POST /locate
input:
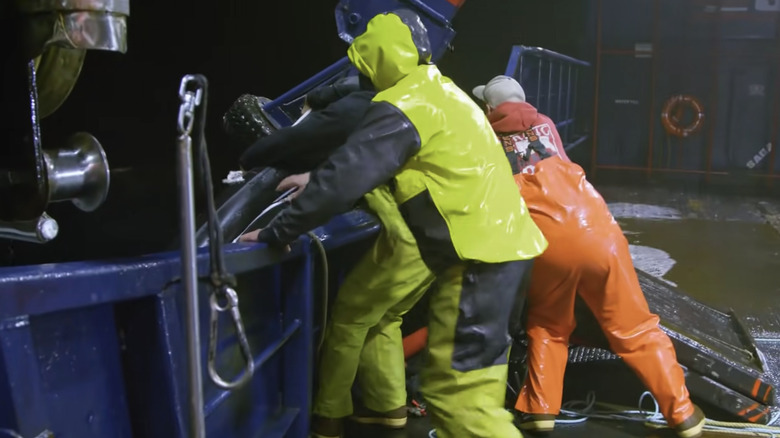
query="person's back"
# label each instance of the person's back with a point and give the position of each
(587, 256)
(516, 121)
(459, 165)
(563, 203)
(428, 153)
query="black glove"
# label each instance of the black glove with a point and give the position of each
(267, 235)
(321, 97)
(244, 122)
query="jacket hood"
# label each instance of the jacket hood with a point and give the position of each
(392, 46)
(511, 117)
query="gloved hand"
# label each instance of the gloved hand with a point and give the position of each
(264, 235)
(321, 97)
(298, 181)
(244, 122)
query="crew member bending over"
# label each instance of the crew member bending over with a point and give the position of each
(587, 255)
(451, 186)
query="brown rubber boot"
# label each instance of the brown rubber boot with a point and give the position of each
(322, 427)
(395, 419)
(692, 427)
(536, 423)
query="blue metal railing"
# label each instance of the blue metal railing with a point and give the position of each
(286, 108)
(551, 82)
(97, 349)
(351, 19)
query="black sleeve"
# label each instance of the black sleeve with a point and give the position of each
(305, 146)
(385, 140)
(321, 97)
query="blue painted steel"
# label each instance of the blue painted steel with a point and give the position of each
(726, 60)
(353, 15)
(283, 110)
(551, 81)
(61, 369)
(351, 19)
(97, 349)
(539, 52)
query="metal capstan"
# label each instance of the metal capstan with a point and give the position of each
(51, 40)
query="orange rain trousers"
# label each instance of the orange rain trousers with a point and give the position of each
(588, 255)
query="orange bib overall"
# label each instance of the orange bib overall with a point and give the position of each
(588, 255)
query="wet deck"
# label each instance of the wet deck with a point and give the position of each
(722, 250)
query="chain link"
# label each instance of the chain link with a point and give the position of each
(190, 99)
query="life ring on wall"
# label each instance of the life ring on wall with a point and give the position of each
(672, 114)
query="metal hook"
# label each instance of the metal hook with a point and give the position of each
(216, 309)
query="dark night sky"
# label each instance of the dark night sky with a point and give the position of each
(129, 102)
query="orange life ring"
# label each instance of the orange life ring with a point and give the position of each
(673, 112)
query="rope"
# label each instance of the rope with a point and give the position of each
(219, 275)
(583, 410)
(587, 409)
(325, 283)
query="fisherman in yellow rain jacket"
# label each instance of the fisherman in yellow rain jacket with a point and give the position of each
(427, 160)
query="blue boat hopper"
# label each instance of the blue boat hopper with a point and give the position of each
(98, 348)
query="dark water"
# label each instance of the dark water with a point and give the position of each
(725, 264)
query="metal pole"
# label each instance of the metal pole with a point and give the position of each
(597, 86)
(569, 107)
(189, 275)
(549, 86)
(539, 85)
(559, 112)
(520, 77)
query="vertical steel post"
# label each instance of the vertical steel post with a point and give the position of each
(594, 149)
(189, 269)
